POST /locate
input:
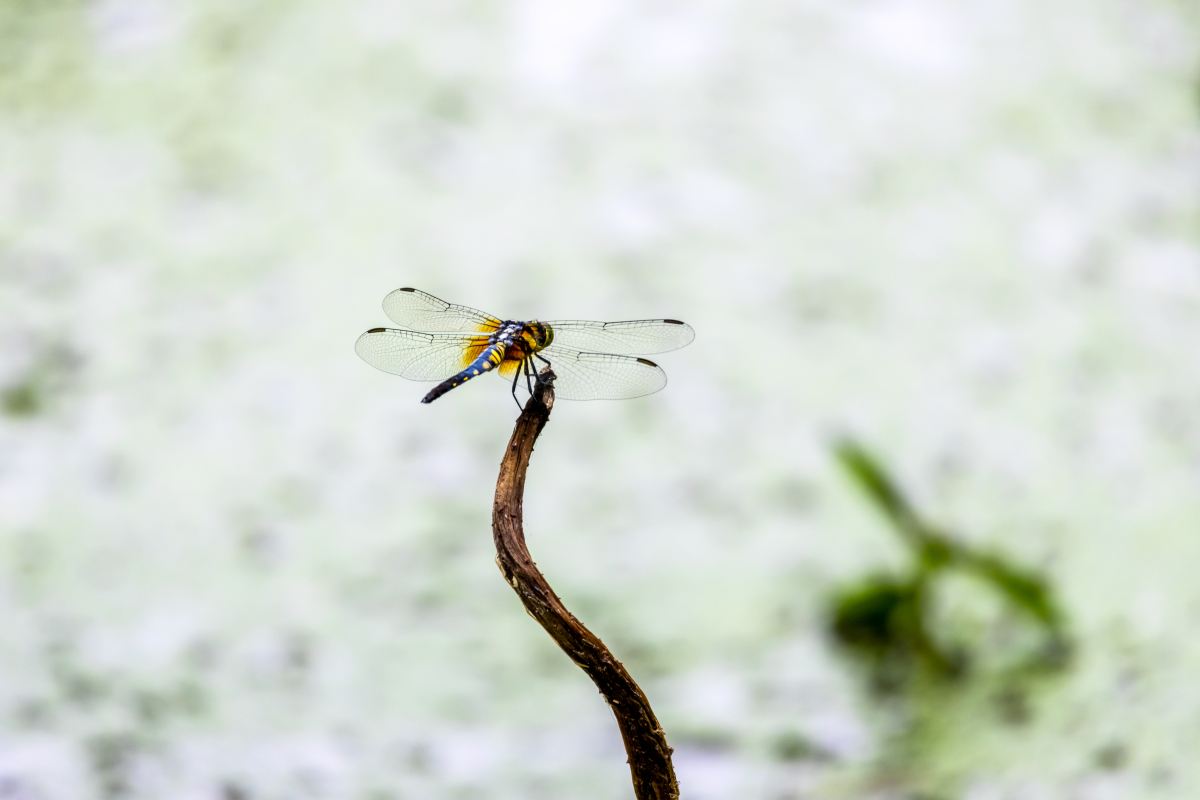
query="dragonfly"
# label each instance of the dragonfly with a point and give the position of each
(451, 344)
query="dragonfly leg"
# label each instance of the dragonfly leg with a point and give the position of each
(527, 366)
(516, 375)
(544, 361)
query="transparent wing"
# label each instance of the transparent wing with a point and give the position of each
(419, 356)
(419, 311)
(635, 337)
(601, 376)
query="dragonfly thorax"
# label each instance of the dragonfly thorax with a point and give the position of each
(522, 338)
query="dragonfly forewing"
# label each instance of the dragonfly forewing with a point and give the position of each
(421, 311)
(634, 337)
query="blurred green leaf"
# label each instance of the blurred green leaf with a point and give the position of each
(884, 619)
(1023, 588)
(873, 480)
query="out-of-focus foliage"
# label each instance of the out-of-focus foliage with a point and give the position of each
(887, 620)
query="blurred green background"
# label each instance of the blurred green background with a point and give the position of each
(237, 563)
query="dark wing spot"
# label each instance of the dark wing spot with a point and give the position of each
(647, 361)
(377, 330)
(407, 289)
(674, 321)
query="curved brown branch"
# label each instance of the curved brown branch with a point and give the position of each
(645, 743)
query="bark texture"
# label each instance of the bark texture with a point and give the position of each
(645, 743)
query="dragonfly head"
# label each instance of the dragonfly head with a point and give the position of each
(541, 334)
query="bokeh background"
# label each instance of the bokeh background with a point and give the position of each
(236, 562)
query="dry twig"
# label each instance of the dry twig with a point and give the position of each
(645, 743)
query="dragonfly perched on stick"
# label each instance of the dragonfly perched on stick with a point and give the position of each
(452, 344)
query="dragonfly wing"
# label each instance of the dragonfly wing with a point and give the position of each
(420, 311)
(635, 337)
(602, 376)
(419, 356)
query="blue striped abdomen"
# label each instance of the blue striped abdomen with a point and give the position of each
(488, 360)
